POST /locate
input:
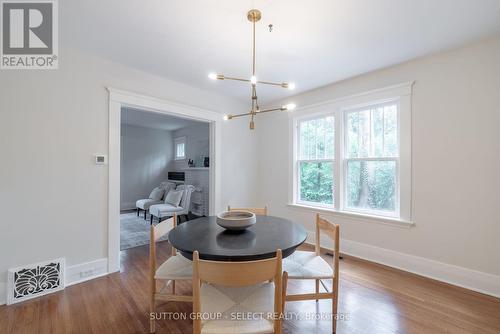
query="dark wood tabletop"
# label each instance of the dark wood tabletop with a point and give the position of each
(260, 241)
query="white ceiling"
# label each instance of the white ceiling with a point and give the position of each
(314, 42)
(154, 120)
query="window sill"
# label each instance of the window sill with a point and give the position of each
(355, 216)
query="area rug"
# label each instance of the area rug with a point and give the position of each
(134, 231)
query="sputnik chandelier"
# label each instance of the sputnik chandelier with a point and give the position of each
(254, 16)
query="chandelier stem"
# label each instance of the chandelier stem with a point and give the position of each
(253, 67)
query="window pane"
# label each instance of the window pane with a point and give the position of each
(180, 150)
(378, 132)
(358, 133)
(316, 182)
(371, 185)
(317, 139)
(391, 131)
(372, 132)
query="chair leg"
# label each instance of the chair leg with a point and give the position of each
(138, 211)
(283, 295)
(334, 313)
(317, 287)
(151, 219)
(152, 311)
(145, 211)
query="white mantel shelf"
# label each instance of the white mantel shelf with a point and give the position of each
(196, 168)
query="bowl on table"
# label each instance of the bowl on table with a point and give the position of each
(236, 220)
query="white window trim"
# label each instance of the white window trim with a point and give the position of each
(177, 141)
(401, 93)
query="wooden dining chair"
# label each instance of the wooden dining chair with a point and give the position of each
(176, 267)
(227, 288)
(310, 265)
(257, 211)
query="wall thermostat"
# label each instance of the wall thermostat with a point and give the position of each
(101, 159)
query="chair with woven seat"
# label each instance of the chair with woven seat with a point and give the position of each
(176, 267)
(257, 211)
(311, 266)
(227, 288)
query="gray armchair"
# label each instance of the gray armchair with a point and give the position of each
(145, 204)
(167, 210)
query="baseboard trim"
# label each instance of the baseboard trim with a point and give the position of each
(127, 206)
(470, 279)
(3, 293)
(86, 271)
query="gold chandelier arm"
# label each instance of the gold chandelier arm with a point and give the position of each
(272, 109)
(236, 79)
(240, 115)
(258, 112)
(270, 83)
(283, 84)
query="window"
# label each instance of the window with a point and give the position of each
(316, 160)
(180, 148)
(354, 156)
(371, 159)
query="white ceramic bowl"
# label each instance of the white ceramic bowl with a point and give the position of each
(236, 220)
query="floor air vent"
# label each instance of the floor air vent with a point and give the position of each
(35, 280)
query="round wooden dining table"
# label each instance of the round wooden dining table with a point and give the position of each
(260, 241)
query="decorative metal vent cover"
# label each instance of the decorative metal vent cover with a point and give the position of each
(35, 280)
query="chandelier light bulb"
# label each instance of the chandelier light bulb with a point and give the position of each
(226, 117)
(253, 79)
(290, 106)
(291, 86)
(212, 76)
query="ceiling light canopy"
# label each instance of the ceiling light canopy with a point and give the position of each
(254, 16)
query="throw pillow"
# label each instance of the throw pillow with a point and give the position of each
(156, 194)
(174, 197)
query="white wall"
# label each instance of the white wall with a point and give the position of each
(197, 143)
(53, 198)
(456, 161)
(146, 158)
(239, 150)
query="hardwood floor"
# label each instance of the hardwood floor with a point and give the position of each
(374, 298)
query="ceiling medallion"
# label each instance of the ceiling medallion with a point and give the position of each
(254, 16)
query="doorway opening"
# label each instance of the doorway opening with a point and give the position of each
(164, 164)
(158, 145)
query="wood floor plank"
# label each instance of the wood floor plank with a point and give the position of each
(374, 298)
